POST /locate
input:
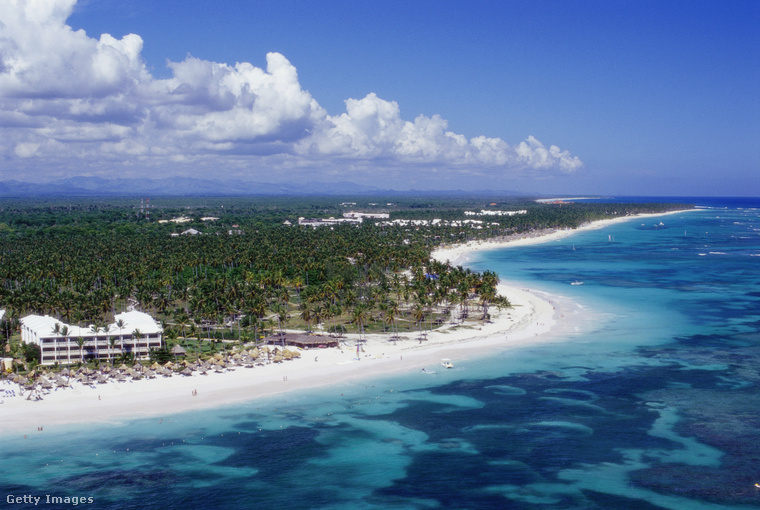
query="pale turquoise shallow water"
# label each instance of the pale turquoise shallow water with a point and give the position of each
(653, 407)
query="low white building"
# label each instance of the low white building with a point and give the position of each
(379, 216)
(331, 221)
(59, 342)
(484, 212)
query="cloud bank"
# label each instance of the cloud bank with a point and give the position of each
(72, 104)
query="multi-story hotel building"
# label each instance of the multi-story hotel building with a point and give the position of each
(131, 332)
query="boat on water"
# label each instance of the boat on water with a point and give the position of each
(446, 363)
(576, 282)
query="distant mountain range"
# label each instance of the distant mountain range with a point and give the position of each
(186, 186)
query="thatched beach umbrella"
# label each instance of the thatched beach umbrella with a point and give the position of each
(178, 350)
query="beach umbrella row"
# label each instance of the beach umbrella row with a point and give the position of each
(218, 363)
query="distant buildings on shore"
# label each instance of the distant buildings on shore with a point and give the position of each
(348, 217)
(484, 212)
(358, 217)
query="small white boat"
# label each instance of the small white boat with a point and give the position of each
(446, 363)
(576, 282)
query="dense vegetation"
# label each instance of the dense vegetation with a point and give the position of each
(85, 260)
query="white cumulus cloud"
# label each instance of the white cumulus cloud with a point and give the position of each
(82, 100)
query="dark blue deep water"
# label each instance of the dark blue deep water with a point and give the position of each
(653, 404)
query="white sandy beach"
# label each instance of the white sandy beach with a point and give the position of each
(460, 254)
(535, 317)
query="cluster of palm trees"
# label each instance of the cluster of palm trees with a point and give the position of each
(348, 277)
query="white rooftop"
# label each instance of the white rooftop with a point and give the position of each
(44, 325)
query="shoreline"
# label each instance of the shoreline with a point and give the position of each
(460, 254)
(535, 317)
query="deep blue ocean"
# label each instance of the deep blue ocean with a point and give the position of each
(653, 404)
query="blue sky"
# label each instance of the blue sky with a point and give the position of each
(539, 96)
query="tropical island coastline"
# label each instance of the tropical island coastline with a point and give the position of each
(533, 317)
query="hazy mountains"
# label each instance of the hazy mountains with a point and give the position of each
(185, 186)
(178, 186)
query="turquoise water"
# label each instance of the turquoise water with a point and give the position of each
(652, 405)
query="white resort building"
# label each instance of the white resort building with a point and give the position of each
(59, 342)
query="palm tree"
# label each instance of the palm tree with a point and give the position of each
(360, 316)
(182, 321)
(56, 332)
(307, 315)
(80, 342)
(390, 315)
(136, 337)
(281, 312)
(64, 331)
(419, 315)
(487, 296)
(121, 325)
(112, 341)
(95, 329)
(171, 335)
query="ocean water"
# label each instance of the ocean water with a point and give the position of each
(653, 404)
